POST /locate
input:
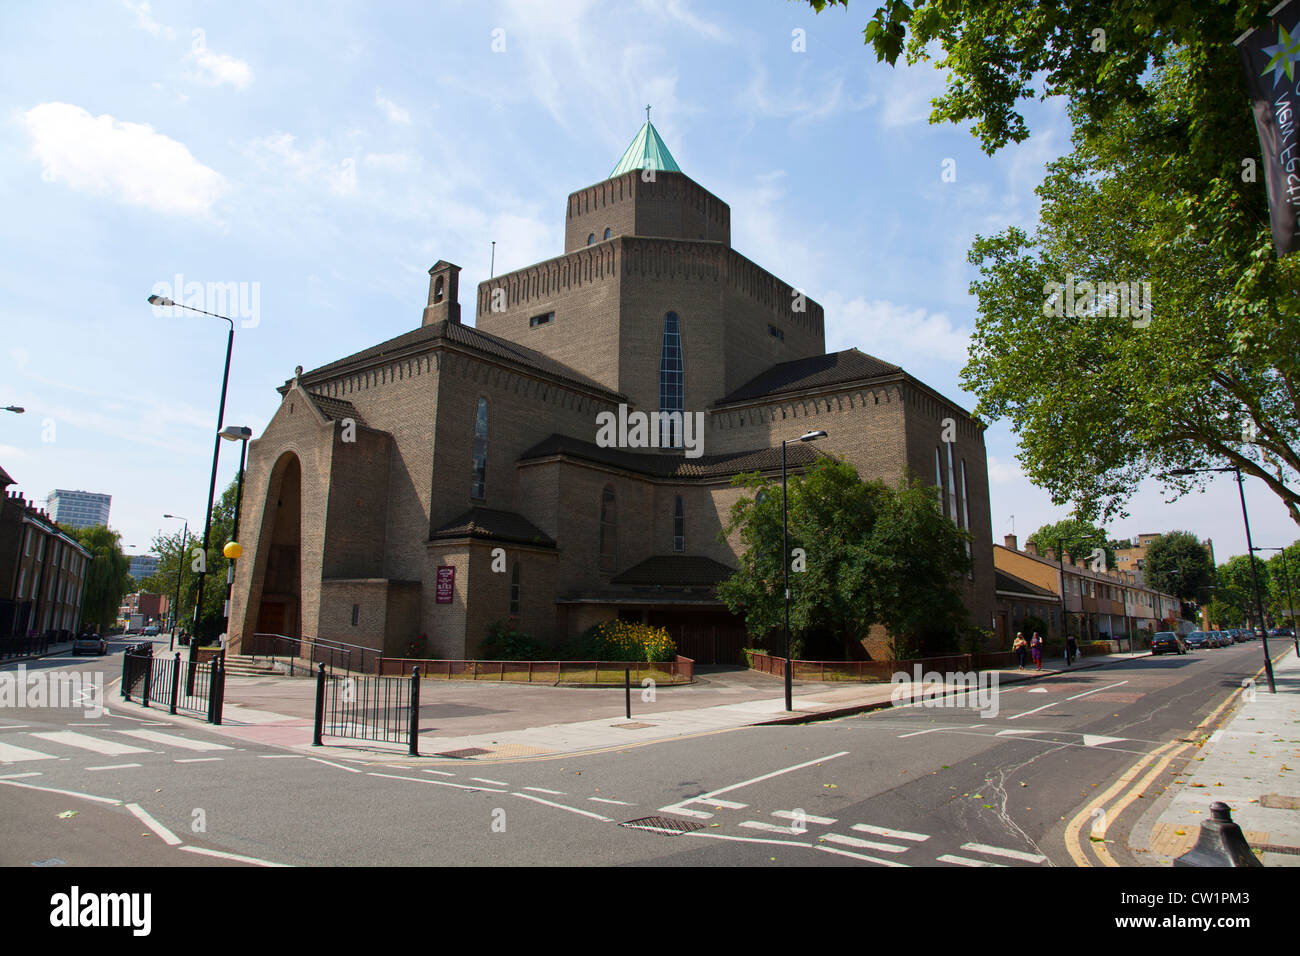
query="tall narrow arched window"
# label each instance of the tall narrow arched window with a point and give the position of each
(952, 490)
(679, 525)
(965, 509)
(607, 232)
(478, 482)
(608, 531)
(514, 589)
(591, 238)
(938, 476)
(671, 384)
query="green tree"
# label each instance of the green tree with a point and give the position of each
(1076, 537)
(867, 554)
(1178, 564)
(108, 578)
(1278, 600)
(1153, 191)
(1234, 595)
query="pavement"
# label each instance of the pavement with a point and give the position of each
(487, 720)
(1251, 763)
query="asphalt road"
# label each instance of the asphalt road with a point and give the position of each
(913, 786)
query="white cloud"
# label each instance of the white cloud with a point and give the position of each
(309, 166)
(1004, 472)
(896, 333)
(144, 20)
(391, 162)
(676, 10)
(394, 112)
(218, 68)
(129, 162)
(907, 93)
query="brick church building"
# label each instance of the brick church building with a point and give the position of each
(455, 475)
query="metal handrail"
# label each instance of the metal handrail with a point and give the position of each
(334, 654)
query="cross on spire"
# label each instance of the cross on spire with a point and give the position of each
(647, 113)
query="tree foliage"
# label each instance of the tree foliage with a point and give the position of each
(1178, 564)
(108, 577)
(1074, 536)
(1153, 191)
(870, 554)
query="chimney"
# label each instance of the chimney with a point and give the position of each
(1031, 548)
(444, 294)
(1010, 542)
(1065, 558)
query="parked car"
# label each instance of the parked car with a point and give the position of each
(87, 643)
(150, 631)
(1163, 641)
(1197, 640)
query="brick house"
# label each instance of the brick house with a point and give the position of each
(42, 570)
(472, 456)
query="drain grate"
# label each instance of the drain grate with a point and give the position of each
(635, 725)
(1273, 848)
(665, 825)
(467, 752)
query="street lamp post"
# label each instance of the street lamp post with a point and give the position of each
(785, 564)
(1286, 580)
(160, 301)
(180, 568)
(241, 434)
(1250, 551)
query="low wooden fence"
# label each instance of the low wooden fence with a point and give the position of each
(883, 671)
(679, 671)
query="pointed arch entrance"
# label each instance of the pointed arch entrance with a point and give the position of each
(278, 574)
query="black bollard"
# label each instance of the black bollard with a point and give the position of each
(415, 712)
(1221, 842)
(320, 707)
(627, 689)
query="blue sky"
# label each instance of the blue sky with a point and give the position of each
(330, 153)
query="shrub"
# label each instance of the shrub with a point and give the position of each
(417, 648)
(626, 641)
(506, 642)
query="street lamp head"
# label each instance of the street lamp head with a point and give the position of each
(16, 409)
(812, 436)
(159, 300)
(236, 433)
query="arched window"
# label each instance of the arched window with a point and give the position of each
(952, 491)
(938, 476)
(437, 289)
(514, 589)
(671, 384)
(591, 238)
(679, 525)
(608, 531)
(965, 507)
(478, 482)
(607, 233)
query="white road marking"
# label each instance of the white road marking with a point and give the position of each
(621, 803)
(66, 793)
(436, 783)
(171, 740)
(230, 856)
(15, 776)
(865, 844)
(806, 817)
(441, 773)
(554, 793)
(707, 798)
(773, 827)
(740, 839)
(115, 766)
(1019, 731)
(11, 754)
(1095, 690)
(280, 756)
(560, 806)
(71, 738)
(963, 861)
(860, 856)
(197, 759)
(338, 765)
(495, 783)
(171, 839)
(933, 730)
(886, 832)
(1096, 740)
(1036, 690)
(999, 851)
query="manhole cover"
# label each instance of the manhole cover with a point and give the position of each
(52, 861)
(467, 752)
(632, 726)
(1273, 848)
(665, 825)
(1279, 801)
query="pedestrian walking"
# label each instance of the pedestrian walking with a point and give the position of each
(1036, 649)
(1071, 649)
(1020, 646)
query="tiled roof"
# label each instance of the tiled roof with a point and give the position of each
(464, 335)
(815, 371)
(1009, 582)
(673, 466)
(646, 151)
(669, 570)
(336, 408)
(497, 525)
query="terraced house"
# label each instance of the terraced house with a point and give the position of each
(454, 475)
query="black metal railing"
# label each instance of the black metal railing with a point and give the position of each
(182, 686)
(368, 708)
(31, 645)
(301, 655)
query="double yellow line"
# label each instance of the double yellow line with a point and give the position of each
(1162, 757)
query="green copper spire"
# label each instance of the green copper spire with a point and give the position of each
(646, 152)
